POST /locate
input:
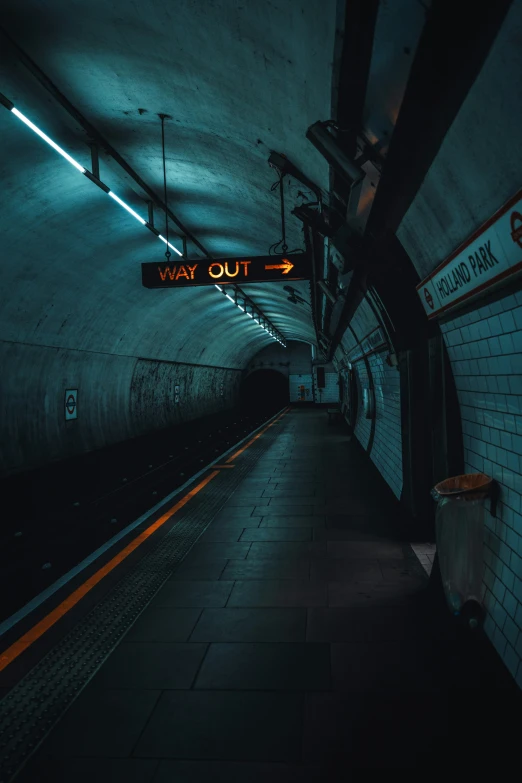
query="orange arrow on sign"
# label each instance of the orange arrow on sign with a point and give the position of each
(286, 266)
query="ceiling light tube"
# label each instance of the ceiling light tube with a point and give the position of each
(126, 206)
(175, 249)
(49, 141)
(241, 308)
(218, 287)
(13, 110)
(229, 297)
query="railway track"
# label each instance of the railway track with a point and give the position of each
(62, 513)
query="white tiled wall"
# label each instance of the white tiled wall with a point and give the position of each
(295, 383)
(330, 393)
(386, 451)
(363, 426)
(485, 349)
(364, 320)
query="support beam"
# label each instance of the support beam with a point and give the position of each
(95, 160)
(359, 31)
(315, 294)
(360, 17)
(450, 54)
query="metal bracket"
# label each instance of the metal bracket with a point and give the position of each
(322, 284)
(95, 160)
(354, 198)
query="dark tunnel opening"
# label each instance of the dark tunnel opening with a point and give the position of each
(265, 391)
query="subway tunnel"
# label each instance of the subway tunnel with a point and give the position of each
(260, 296)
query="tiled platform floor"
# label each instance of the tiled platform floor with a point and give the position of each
(296, 642)
(426, 553)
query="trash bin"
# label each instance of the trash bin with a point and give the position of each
(459, 527)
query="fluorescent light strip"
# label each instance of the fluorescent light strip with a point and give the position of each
(175, 249)
(119, 201)
(82, 170)
(126, 206)
(49, 141)
(250, 315)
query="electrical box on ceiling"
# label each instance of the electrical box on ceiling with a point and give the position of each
(321, 136)
(313, 218)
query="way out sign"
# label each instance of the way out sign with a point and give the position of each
(71, 404)
(252, 269)
(489, 258)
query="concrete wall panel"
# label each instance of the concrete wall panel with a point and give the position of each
(153, 396)
(119, 397)
(295, 358)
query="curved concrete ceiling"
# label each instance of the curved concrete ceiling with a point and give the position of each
(236, 86)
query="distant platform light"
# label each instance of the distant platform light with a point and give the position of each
(256, 318)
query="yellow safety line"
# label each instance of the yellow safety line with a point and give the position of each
(38, 630)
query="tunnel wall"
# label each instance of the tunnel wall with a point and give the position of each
(119, 397)
(372, 371)
(330, 392)
(387, 443)
(477, 169)
(295, 359)
(363, 425)
(294, 362)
